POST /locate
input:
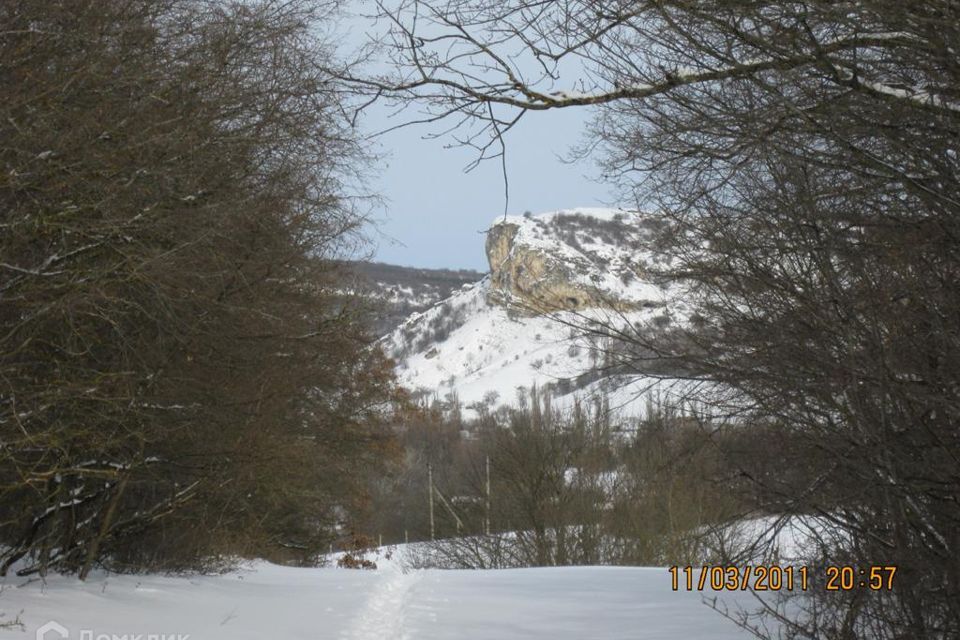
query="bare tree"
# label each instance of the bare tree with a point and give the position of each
(180, 374)
(804, 157)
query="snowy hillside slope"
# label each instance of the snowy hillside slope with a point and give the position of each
(283, 603)
(522, 325)
(402, 291)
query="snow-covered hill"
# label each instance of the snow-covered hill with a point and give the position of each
(551, 277)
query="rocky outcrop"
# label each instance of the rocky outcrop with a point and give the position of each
(539, 277)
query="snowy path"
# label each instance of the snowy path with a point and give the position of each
(384, 616)
(283, 603)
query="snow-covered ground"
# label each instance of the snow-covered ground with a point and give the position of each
(269, 602)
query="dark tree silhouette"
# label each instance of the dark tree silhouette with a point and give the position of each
(180, 376)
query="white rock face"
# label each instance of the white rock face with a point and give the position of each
(550, 275)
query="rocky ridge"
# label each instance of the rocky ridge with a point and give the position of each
(572, 260)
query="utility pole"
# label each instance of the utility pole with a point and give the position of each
(486, 522)
(430, 482)
(446, 505)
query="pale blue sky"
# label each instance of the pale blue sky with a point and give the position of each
(435, 213)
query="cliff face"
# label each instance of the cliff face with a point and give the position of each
(530, 276)
(568, 260)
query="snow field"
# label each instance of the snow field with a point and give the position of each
(266, 601)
